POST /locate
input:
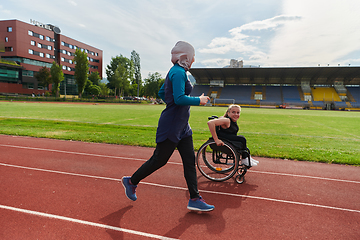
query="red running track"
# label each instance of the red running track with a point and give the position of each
(53, 189)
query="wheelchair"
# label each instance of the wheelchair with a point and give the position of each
(220, 163)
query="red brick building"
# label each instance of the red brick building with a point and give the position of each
(34, 46)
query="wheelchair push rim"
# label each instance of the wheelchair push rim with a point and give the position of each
(217, 164)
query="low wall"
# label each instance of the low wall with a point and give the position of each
(18, 88)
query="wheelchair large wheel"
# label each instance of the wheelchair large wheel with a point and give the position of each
(217, 163)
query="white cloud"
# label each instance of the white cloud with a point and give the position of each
(241, 42)
(266, 24)
(215, 62)
(72, 3)
(4, 11)
(328, 31)
(306, 33)
(260, 32)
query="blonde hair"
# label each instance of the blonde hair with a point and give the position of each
(229, 109)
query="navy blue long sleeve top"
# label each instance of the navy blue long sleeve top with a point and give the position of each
(174, 120)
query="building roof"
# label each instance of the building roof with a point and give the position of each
(8, 65)
(278, 75)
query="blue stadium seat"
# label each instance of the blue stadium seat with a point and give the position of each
(355, 92)
(241, 94)
(273, 95)
(200, 89)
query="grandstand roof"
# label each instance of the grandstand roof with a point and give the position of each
(278, 75)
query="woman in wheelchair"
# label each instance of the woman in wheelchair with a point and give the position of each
(226, 128)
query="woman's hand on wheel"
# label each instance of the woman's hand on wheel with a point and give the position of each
(219, 142)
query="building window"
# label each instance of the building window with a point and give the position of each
(32, 43)
(47, 55)
(41, 37)
(9, 29)
(9, 49)
(30, 33)
(41, 54)
(33, 62)
(62, 59)
(31, 51)
(64, 67)
(27, 73)
(48, 39)
(49, 47)
(30, 85)
(39, 45)
(6, 39)
(93, 67)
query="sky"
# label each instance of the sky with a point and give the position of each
(265, 33)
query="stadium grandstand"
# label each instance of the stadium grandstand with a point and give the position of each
(283, 87)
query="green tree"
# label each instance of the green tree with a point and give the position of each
(81, 70)
(43, 77)
(111, 69)
(88, 84)
(94, 77)
(91, 89)
(133, 89)
(57, 76)
(121, 81)
(153, 84)
(135, 58)
(104, 90)
(94, 90)
(120, 74)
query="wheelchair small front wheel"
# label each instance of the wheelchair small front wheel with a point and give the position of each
(217, 163)
(240, 179)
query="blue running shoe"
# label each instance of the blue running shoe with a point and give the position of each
(130, 189)
(198, 204)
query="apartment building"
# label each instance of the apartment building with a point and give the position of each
(34, 45)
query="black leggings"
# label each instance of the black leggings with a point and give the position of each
(160, 157)
(238, 141)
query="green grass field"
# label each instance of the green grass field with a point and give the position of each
(324, 136)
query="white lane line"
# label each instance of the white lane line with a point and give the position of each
(185, 189)
(59, 172)
(68, 152)
(143, 160)
(304, 176)
(99, 225)
(260, 198)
